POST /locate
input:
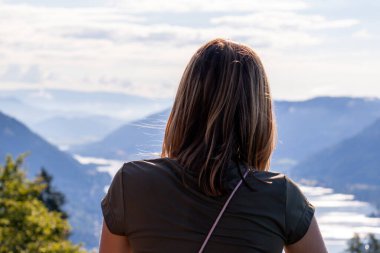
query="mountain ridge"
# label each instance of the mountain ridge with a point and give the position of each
(352, 165)
(81, 184)
(299, 124)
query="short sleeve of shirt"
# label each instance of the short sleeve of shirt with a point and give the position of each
(299, 212)
(113, 205)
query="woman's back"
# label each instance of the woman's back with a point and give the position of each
(222, 115)
(148, 203)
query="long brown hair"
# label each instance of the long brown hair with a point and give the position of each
(222, 112)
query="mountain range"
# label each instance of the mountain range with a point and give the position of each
(308, 133)
(82, 185)
(304, 127)
(66, 131)
(136, 140)
(350, 166)
(68, 117)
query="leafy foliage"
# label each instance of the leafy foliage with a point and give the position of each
(369, 245)
(53, 199)
(26, 224)
(373, 244)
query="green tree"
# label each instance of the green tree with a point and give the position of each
(26, 224)
(373, 245)
(53, 199)
(370, 244)
(355, 245)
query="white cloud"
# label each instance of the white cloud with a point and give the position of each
(57, 3)
(140, 48)
(276, 20)
(362, 34)
(15, 73)
(144, 6)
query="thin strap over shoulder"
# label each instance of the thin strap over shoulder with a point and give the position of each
(221, 212)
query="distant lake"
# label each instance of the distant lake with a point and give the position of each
(339, 215)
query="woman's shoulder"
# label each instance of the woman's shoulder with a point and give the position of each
(273, 178)
(275, 181)
(142, 165)
(146, 169)
(269, 175)
(287, 183)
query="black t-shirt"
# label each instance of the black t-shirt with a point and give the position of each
(148, 203)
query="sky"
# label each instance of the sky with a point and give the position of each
(308, 48)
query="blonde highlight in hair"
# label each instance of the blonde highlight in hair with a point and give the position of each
(222, 112)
